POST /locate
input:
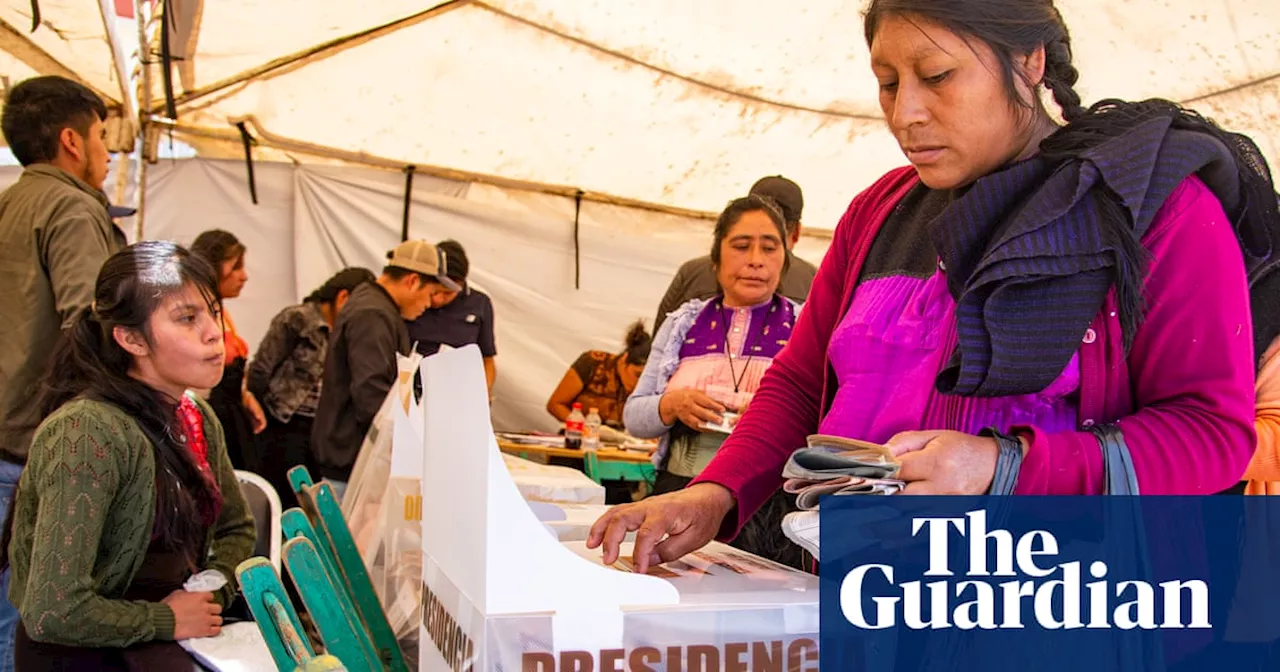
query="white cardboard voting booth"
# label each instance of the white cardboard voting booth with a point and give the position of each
(501, 593)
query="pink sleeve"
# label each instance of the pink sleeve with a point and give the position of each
(786, 407)
(1191, 367)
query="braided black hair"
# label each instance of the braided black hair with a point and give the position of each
(1010, 28)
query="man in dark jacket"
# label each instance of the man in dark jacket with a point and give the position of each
(54, 235)
(360, 368)
(286, 371)
(457, 319)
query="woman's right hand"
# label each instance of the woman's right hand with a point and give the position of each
(692, 407)
(688, 519)
(194, 614)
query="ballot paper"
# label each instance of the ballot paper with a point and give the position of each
(714, 568)
(238, 648)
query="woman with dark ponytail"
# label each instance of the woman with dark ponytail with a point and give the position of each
(603, 380)
(238, 409)
(128, 490)
(1026, 293)
(286, 374)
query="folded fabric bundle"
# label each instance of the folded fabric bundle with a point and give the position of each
(833, 465)
(824, 464)
(808, 491)
(838, 466)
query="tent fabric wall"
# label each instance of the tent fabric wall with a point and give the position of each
(186, 197)
(670, 102)
(520, 246)
(350, 216)
(312, 221)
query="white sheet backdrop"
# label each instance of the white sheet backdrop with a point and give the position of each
(311, 221)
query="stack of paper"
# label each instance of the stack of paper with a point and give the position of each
(238, 648)
(548, 483)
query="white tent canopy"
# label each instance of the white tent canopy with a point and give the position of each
(72, 38)
(668, 101)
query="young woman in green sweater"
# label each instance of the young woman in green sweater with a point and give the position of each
(128, 490)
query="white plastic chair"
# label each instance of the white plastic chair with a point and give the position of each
(264, 502)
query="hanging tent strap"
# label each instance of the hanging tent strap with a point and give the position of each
(166, 61)
(247, 141)
(409, 170)
(577, 249)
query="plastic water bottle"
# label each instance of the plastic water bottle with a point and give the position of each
(573, 428)
(591, 437)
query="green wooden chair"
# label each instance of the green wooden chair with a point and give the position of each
(278, 622)
(339, 547)
(342, 632)
(295, 523)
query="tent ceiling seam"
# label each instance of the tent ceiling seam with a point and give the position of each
(306, 56)
(1233, 89)
(300, 58)
(207, 102)
(671, 73)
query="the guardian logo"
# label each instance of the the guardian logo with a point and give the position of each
(1053, 596)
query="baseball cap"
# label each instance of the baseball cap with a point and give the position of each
(784, 192)
(120, 211)
(422, 257)
(456, 263)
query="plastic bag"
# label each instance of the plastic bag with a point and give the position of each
(362, 503)
(208, 581)
(385, 516)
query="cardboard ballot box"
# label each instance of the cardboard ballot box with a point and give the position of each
(500, 593)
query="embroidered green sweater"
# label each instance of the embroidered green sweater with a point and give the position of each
(83, 517)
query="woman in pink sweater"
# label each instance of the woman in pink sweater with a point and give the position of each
(1023, 293)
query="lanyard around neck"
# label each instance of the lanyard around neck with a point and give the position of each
(728, 350)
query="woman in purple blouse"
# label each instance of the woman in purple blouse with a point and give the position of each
(709, 356)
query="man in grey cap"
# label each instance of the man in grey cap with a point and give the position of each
(457, 319)
(696, 279)
(360, 368)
